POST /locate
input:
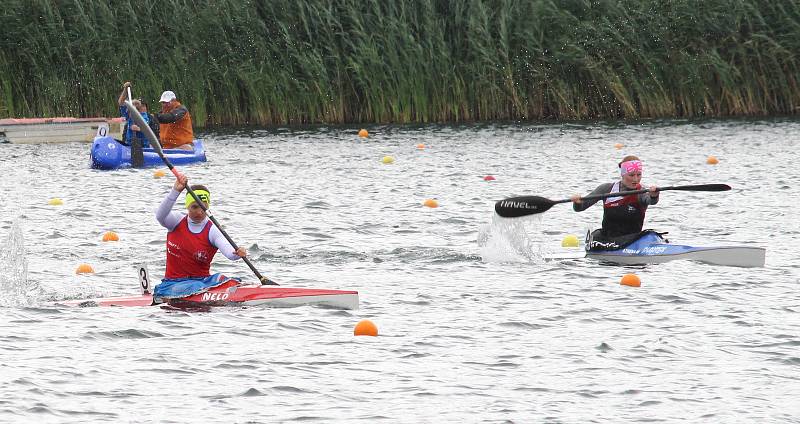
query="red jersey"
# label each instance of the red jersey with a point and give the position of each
(189, 254)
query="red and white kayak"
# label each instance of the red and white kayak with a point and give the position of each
(238, 295)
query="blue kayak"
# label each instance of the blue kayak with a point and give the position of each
(108, 153)
(652, 248)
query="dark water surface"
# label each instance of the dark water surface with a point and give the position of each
(475, 326)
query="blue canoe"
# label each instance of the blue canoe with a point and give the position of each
(651, 248)
(108, 153)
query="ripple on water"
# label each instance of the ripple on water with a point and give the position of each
(522, 325)
(131, 333)
(604, 347)
(475, 325)
(252, 392)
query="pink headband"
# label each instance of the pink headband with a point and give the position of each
(630, 166)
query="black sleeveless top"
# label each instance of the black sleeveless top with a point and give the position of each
(622, 215)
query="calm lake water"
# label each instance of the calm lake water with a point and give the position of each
(474, 325)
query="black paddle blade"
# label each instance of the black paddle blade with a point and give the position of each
(267, 282)
(702, 187)
(514, 207)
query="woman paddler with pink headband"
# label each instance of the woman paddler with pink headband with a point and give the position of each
(623, 217)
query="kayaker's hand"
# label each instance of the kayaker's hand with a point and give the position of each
(653, 191)
(135, 127)
(242, 252)
(126, 85)
(180, 182)
(576, 198)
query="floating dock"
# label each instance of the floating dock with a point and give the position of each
(57, 130)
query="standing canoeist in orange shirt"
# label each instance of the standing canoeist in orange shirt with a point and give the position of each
(176, 123)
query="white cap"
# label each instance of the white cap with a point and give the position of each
(167, 96)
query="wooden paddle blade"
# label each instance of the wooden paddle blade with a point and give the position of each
(137, 155)
(514, 207)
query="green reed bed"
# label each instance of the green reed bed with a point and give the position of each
(312, 61)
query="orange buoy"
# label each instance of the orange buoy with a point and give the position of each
(110, 236)
(630, 280)
(84, 269)
(431, 203)
(489, 178)
(712, 160)
(159, 173)
(420, 146)
(363, 133)
(365, 328)
(618, 146)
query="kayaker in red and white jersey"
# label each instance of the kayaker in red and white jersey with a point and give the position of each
(623, 217)
(192, 240)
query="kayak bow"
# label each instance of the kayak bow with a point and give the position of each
(652, 249)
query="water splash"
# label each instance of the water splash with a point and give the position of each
(14, 287)
(512, 239)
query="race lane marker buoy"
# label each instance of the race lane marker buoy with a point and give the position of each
(363, 133)
(110, 236)
(365, 328)
(630, 280)
(420, 146)
(431, 203)
(570, 240)
(489, 178)
(84, 269)
(159, 173)
(618, 146)
(387, 160)
(712, 160)
(55, 202)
